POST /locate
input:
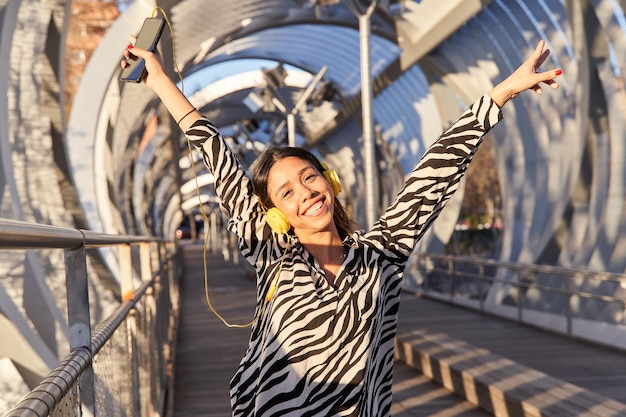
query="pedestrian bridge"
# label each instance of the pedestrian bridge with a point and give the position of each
(95, 185)
(163, 352)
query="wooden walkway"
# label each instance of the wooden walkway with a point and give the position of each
(208, 351)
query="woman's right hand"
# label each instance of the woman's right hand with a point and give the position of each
(176, 102)
(154, 65)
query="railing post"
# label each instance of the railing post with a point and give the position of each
(234, 250)
(481, 289)
(163, 321)
(78, 317)
(520, 296)
(452, 279)
(213, 230)
(151, 351)
(569, 311)
(171, 271)
(225, 246)
(128, 294)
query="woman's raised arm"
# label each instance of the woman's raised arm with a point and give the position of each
(177, 104)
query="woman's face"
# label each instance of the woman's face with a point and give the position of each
(300, 191)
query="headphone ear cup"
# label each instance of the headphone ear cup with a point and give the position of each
(333, 179)
(277, 221)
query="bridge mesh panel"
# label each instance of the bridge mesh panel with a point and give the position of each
(123, 384)
(113, 376)
(69, 406)
(148, 355)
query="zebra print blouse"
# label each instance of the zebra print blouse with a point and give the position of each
(322, 350)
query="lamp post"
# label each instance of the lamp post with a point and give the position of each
(291, 116)
(367, 93)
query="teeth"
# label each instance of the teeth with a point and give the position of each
(314, 209)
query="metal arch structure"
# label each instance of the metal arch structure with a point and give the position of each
(297, 33)
(119, 165)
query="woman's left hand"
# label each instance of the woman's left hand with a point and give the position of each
(526, 77)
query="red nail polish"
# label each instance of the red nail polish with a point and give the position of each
(559, 72)
(131, 46)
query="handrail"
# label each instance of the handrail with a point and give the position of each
(48, 394)
(452, 277)
(16, 234)
(60, 381)
(524, 267)
(70, 387)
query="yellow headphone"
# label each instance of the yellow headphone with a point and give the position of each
(277, 220)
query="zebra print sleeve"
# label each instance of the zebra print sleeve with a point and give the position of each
(433, 181)
(237, 199)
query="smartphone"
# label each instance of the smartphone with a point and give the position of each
(147, 39)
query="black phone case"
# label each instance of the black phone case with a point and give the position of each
(147, 39)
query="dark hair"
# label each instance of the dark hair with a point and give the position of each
(261, 169)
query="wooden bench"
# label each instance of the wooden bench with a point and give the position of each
(496, 384)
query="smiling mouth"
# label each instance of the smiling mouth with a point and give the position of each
(314, 209)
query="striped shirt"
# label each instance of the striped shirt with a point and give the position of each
(322, 350)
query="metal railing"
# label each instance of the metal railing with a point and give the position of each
(122, 367)
(578, 302)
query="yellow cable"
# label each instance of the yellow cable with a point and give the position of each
(204, 252)
(272, 289)
(171, 29)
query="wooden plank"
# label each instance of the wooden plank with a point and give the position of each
(498, 384)
(593, 367)
(416, 395)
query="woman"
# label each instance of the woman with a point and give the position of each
(323, 342)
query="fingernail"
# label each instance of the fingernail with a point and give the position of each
(558, 72)
(131, 46)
